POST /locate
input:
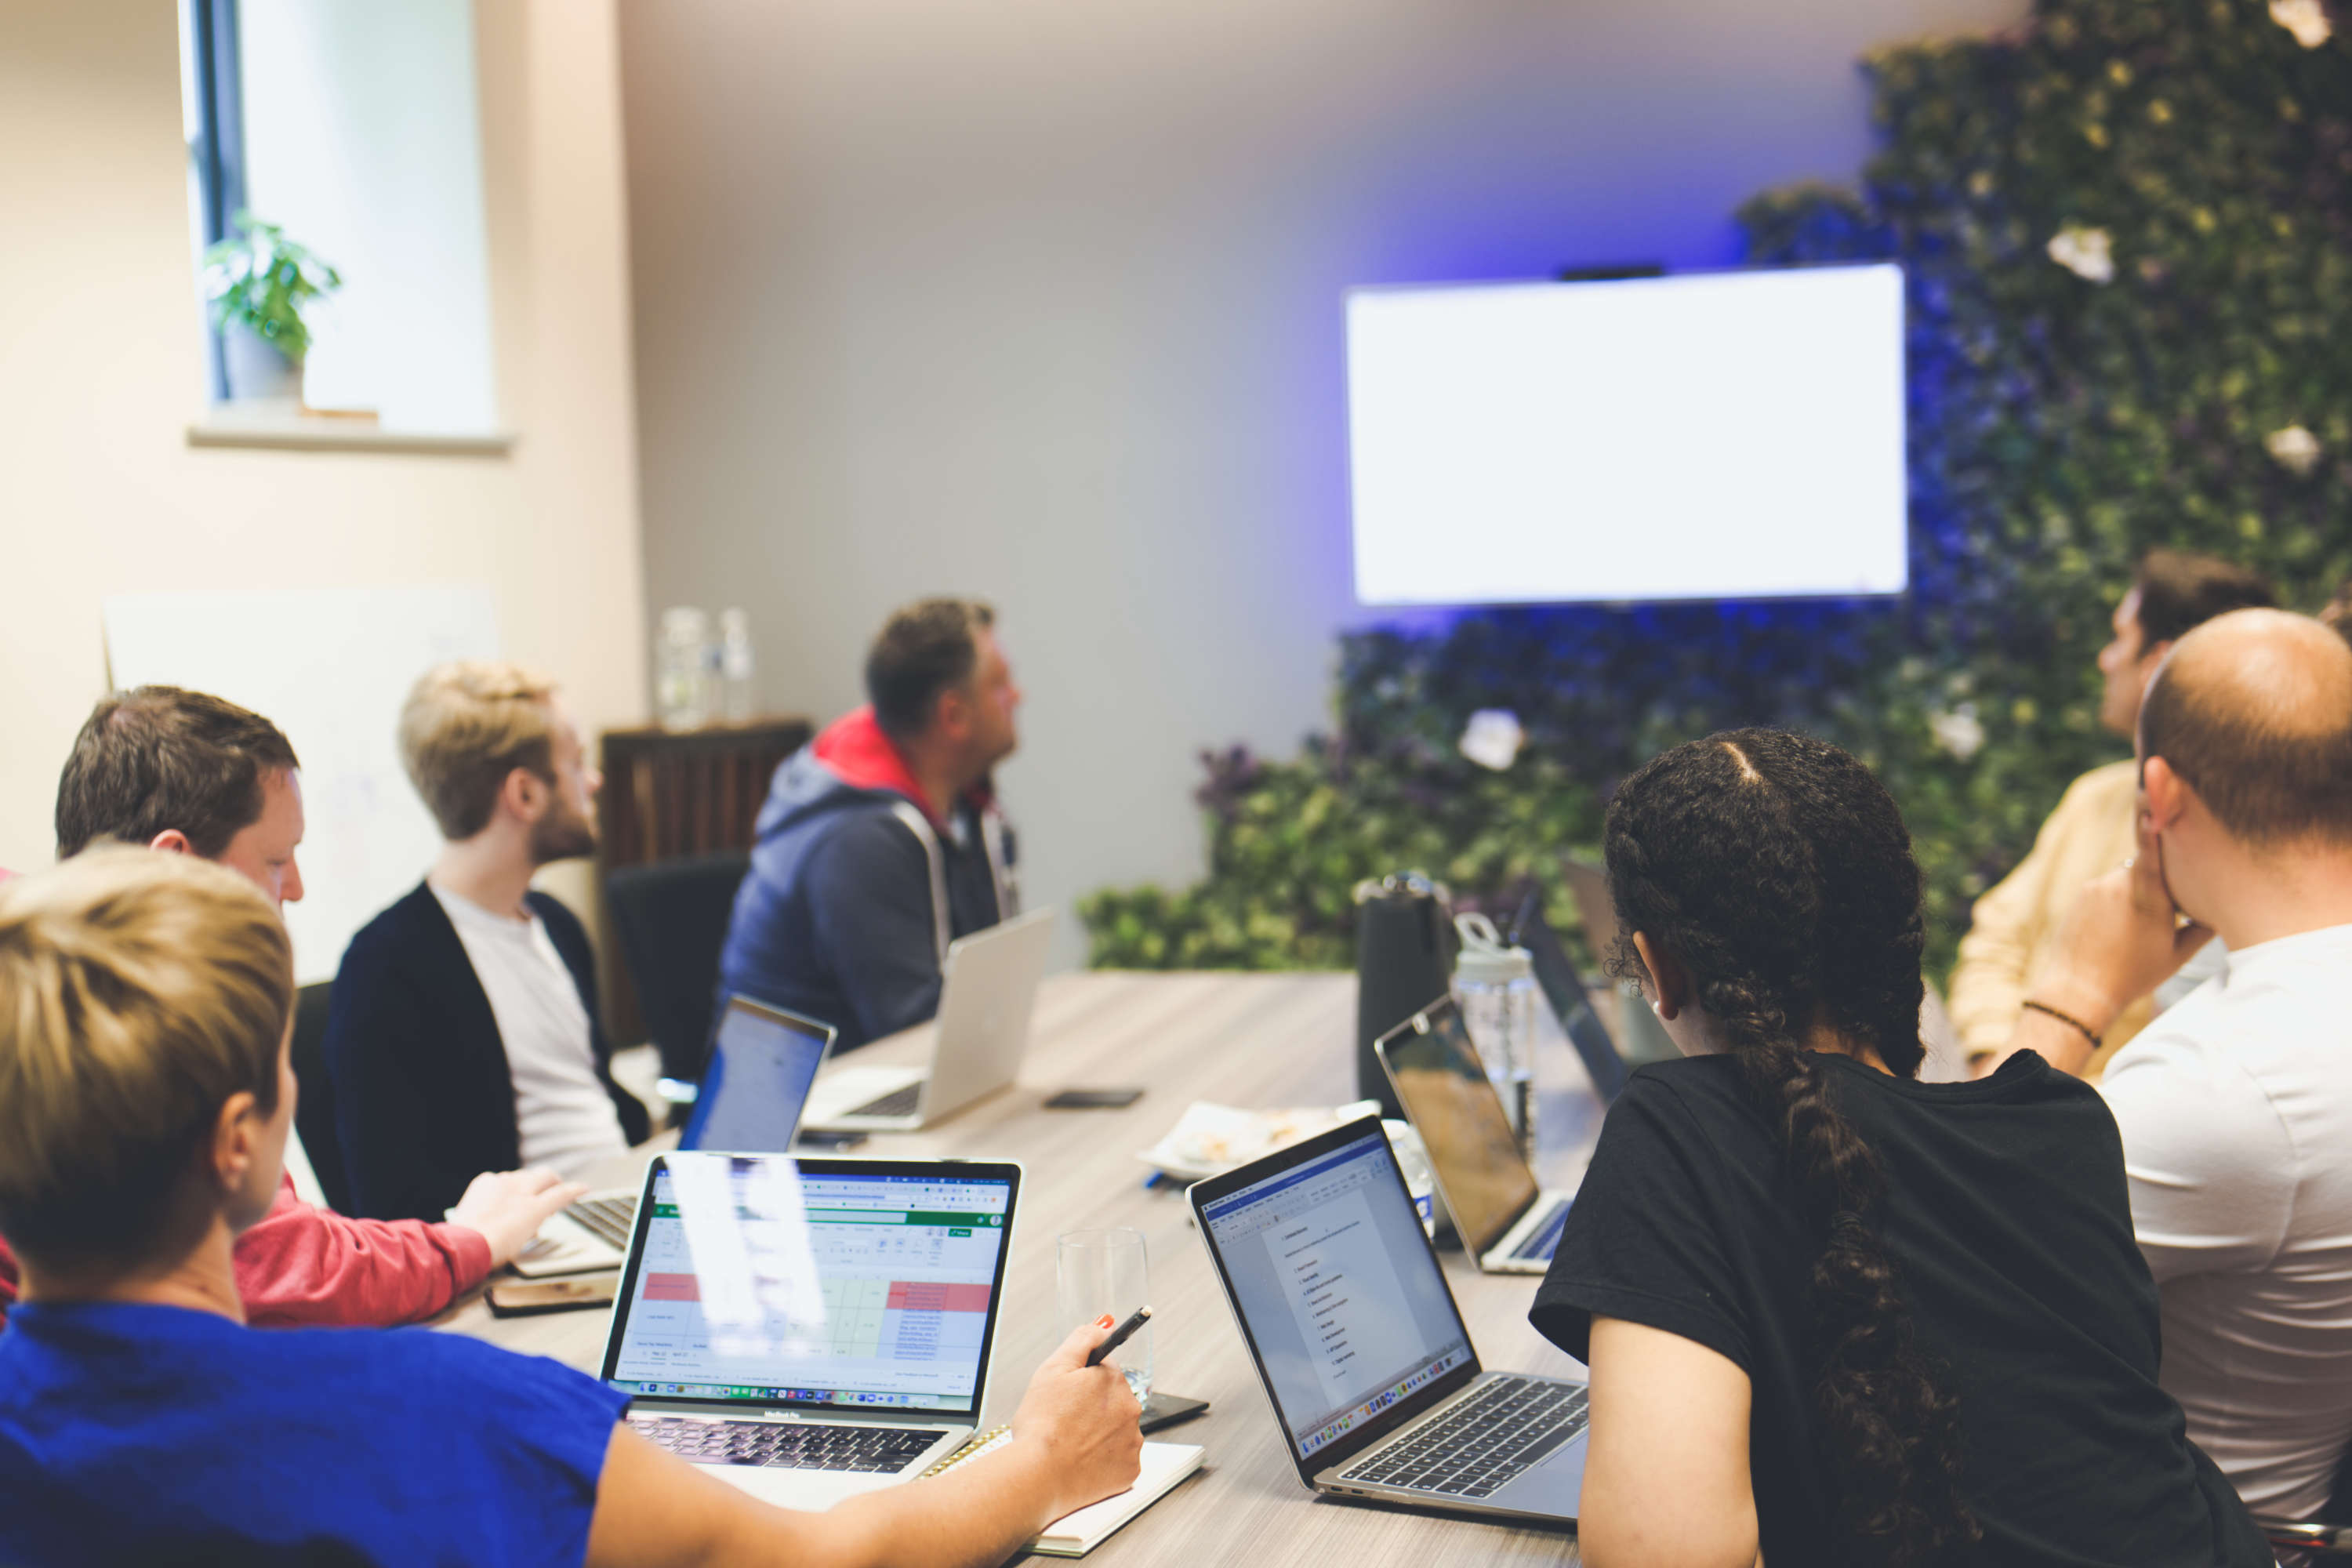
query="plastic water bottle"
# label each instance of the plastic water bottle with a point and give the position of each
(1494, 984)
(681, 687)
(735, 664)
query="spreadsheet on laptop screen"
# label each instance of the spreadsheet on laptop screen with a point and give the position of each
(1343, 1298)
(760, 1282)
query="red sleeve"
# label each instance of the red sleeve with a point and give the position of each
(7, 1280)
(304, 1266)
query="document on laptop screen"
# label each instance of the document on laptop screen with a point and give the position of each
(1341, 1296)
(758, 1283)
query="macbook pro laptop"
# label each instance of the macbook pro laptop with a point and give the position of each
(1506, 1222)
(762, 1060)
(811, 1328)
(986, 988)
(1641, 1038)
(1361, 1350)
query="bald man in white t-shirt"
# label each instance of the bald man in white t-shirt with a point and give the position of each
(2236, 1105)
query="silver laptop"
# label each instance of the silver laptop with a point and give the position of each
(1506, 1222)
(986, 990)
(762, 1060)
(1361, 1350)
(811, 1328)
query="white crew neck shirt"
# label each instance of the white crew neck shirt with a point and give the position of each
(2236, 1110)
(565, 1119)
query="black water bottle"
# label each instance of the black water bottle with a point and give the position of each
(1404, 961)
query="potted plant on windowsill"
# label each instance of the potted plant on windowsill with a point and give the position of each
(258, 284)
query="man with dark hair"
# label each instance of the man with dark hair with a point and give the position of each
(2235, 1105)
(190, 774)
(2014, 923)
(187, 772)
(881, 841)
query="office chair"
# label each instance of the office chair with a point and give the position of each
(314, 1111)
(671, 918)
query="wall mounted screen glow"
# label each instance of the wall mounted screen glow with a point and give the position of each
(1727, 436)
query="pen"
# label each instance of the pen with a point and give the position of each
(1118, 1336)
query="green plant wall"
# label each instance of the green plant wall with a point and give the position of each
(2127, 235)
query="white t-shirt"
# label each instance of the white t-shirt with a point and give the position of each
(2236, 1110)
(565, 1117)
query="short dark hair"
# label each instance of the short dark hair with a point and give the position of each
(156, 758)
(2266, 778)
(2181, 590)
(923, 650)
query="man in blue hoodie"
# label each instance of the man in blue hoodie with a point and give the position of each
(881, 841)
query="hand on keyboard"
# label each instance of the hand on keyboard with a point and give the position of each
(507, 1208)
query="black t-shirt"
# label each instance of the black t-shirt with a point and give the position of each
(2005, 1214)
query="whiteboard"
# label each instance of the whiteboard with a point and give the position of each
(331, 668)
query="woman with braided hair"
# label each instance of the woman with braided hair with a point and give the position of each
(1831, 1312)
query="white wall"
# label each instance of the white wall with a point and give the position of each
(100, 492)
(1041, 301)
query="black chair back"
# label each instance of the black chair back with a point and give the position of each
(314, 1112)
(671, 918)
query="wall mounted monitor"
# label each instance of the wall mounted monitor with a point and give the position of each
(1720, 436)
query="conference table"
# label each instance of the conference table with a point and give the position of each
(1238, 1039)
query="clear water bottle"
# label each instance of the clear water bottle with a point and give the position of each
(681, 657)
(735, 667)
(1494, 984)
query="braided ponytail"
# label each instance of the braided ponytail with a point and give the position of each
(1780, 872)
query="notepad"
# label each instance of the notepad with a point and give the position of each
(1076, 1534)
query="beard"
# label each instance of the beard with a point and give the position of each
(563, 834)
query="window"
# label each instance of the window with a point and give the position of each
(356, 129)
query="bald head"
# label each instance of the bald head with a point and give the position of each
(2253, 712)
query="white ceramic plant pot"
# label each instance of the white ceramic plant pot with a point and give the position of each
(258, 371)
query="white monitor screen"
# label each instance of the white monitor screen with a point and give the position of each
(1715, 437)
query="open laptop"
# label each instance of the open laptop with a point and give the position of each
(986, 988)
(811, 1328)
(1506, 1222)
(1641, 1038)
(1556, 976)
(1361, 1350)
(762, 1060)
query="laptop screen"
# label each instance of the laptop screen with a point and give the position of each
(1335, 1287)
(1453, 1105)
(763, 1061)
(764, 1280)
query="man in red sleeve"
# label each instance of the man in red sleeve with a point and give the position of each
(192, 775)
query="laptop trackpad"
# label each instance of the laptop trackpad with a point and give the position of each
(1555, 1486)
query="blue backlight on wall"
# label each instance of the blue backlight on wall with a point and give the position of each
(1724, 435)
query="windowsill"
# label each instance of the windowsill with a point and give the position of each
(293, 433)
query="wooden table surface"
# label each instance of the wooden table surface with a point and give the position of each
(1255, 1040)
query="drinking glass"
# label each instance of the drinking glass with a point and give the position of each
(1104, 1272)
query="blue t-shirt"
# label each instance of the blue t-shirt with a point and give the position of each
(158, 1434)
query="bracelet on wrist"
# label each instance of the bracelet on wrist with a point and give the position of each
(2068, 1019)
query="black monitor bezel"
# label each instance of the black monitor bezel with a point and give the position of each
(1385, 1424)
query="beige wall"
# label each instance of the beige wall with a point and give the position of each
(1041, 299)
(99, 492)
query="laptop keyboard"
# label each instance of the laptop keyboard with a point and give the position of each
(1483, 1444)
(1544, 1240)
(897, 1103)
(606, 1219)
(787, 1444)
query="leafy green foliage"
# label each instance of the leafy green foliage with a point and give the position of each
(261, 280)
(2176, 370)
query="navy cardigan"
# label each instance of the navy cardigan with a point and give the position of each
(422, 1097)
